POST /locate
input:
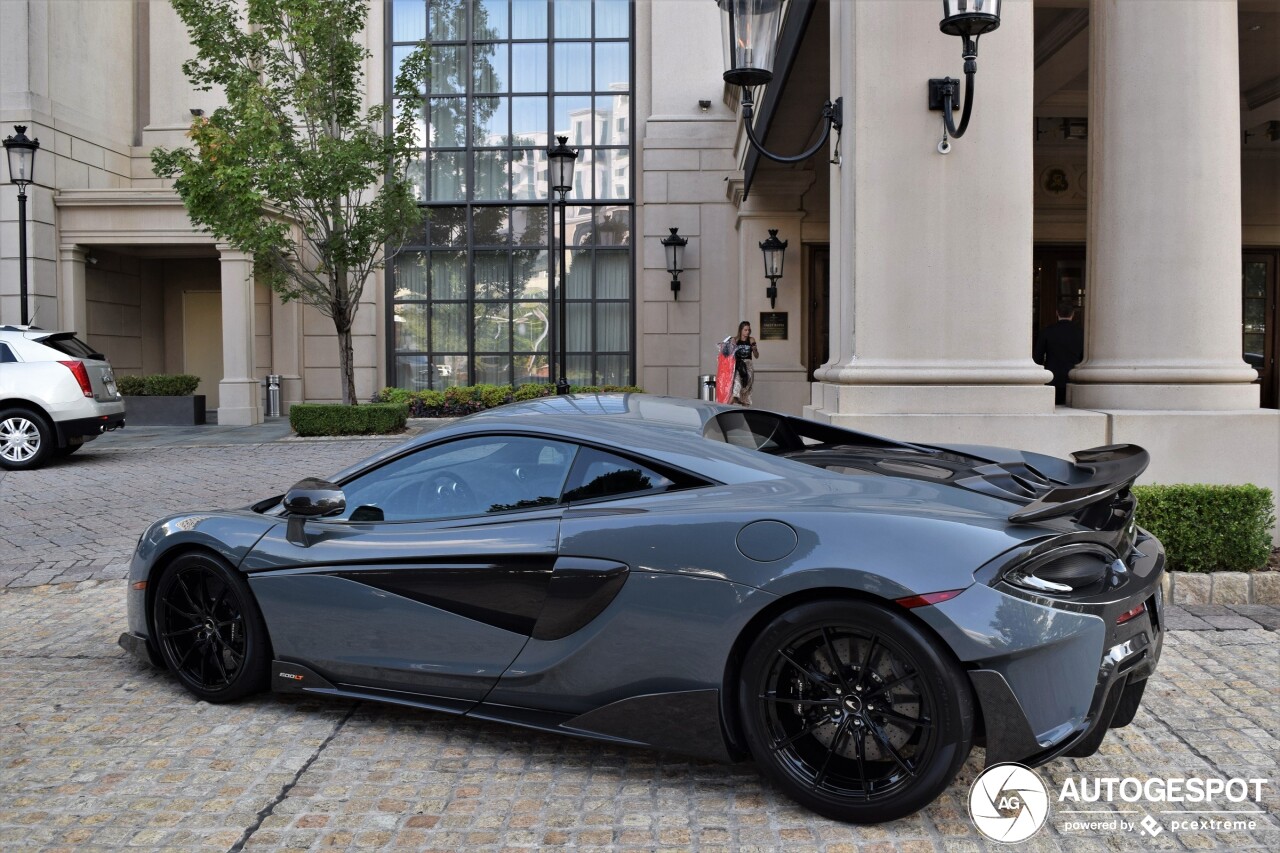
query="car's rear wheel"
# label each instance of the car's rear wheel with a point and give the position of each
(854, 711)
(209, 629)
(26, 440)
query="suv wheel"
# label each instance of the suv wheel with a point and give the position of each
(25, 439)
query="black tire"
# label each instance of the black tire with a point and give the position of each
(26, 439)
(853, 711)
(209, 629)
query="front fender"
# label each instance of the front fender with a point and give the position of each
(230, 535)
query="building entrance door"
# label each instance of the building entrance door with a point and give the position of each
(1059, 274)
(1260, 329)
(202, 341)
(818, 327)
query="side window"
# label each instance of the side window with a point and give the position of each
(472, 476)
(6, 355)
(597, 474)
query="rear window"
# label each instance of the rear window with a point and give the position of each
(6, 354)
(69, 344)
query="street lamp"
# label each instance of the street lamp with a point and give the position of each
(750, 32)
(22, 164)
(674, 245)
(967, 19)
(562, 159)
(774, 251)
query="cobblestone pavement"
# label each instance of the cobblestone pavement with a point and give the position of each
(98, 751)
(79, 518)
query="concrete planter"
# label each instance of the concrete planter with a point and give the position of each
(1222, 587)
(164, 411)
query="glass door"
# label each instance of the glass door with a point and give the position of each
(1260, 333)
(1059, 274)
(819, 331)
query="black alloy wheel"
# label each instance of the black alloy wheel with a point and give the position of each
(209, 629)
(854, 711)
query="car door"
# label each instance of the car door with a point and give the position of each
(429, 583)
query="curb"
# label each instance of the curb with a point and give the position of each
(1222, 587)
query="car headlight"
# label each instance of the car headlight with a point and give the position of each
(1072, 569)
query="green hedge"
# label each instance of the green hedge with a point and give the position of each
(158, 385)
(1209, 528)
(462, 400)
(337, 419)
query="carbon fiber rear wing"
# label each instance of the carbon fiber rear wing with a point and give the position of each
(1104, 472)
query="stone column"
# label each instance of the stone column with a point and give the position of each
(239, 392)
(73, 308)
(931, 253)
(775, 202)
(1163, 323)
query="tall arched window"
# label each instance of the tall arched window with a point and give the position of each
(469, 299)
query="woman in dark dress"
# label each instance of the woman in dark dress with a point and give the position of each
(744, 373)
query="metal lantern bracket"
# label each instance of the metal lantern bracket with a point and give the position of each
(943, 93)
(832, 114)
(967, 19)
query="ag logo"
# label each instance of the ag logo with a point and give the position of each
(1008, 803)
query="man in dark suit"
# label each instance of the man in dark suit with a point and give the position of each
(1060, 348)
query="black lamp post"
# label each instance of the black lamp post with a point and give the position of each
(774, 252)
(750, 33)
(22, 164)
(967, 19)
(562, 159)
(674, 245)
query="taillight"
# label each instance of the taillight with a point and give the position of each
(1072, 569)
(82, 376)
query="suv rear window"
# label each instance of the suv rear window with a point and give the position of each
(68, 344)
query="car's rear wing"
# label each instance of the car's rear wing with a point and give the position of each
(1104, 471)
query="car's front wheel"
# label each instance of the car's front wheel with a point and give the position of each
(209, 629)
(854, 711)
(26, 440)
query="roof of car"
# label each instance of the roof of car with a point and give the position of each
(649, 409)
(666, 429)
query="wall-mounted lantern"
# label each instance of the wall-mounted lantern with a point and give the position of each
(750, 33)
(774, 251)
(967, 19)
(674, 245)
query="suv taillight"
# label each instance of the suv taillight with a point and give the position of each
(82, 375)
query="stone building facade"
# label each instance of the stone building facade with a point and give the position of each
(1107, 162)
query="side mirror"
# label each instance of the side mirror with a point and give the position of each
(311, 498)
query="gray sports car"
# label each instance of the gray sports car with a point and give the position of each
(854, 613)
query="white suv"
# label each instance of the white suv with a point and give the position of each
(56, 393)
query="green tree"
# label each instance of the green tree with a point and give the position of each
(293, 168)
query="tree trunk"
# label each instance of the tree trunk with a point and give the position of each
(346, 363)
